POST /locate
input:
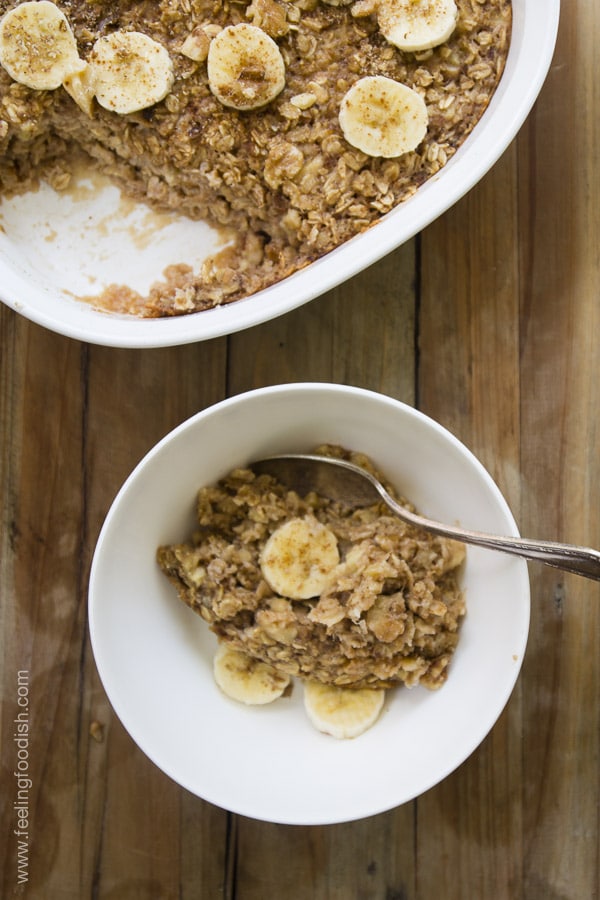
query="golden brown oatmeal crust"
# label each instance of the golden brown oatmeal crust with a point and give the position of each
(391, 614)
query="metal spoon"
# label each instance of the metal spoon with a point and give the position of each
(355, 487)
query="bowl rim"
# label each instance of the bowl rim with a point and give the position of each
(325, 816)
(528, 62)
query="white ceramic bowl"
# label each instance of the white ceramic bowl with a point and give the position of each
(154, 654)
(50, 252)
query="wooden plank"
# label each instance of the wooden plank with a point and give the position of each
(469, 380)
(469, 333)
(361, 333)
(43, 479)
(372, 857)
(102, 817)
(145, 817)
(560, 232)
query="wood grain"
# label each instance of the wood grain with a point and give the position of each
(471, 385)
(361, 333)
(560, 351)
(489, 321)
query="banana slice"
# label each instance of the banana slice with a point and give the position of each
(414, 25)
(342, 712)
(131, 71)
(245, 67)
(382, 117)
(81, 86)
(298, 559)
(246, 679)
(37, 47)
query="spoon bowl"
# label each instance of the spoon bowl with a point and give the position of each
(354, 486)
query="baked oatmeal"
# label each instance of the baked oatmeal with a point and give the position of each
(380, 603)
(286, 181)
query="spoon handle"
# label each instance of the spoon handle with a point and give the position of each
(580, 560)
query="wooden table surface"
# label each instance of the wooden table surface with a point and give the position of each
(489, 321)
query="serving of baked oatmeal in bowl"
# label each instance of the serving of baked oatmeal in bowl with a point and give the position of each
(263, 646)
(185, 169)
